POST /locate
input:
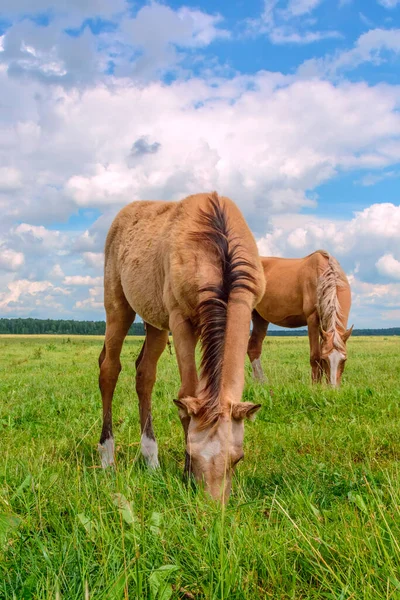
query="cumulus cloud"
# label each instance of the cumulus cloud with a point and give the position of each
(374, 305)
(19, 294)
(140, 46)
(10, 260)
(94, 259)
(357, 244)
(296, 134)
(10, 179)
(159, 33)
(56, 272)
(93, 302)
(356, 240)
(68, 8)
(389, 266)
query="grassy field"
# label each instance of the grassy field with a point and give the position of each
(315, 508)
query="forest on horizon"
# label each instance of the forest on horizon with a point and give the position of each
(30, 326)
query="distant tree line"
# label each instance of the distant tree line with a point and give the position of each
(60, 327)
(71, 327)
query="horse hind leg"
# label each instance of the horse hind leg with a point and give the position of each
(119, 317)
(254, 348)
(146, 371)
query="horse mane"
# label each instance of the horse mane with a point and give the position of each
(328, 306)
(212, 312)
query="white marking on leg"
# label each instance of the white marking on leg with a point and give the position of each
(106, 451)
(257, 370)
(334, 360)
(210, 450)
(150, 452)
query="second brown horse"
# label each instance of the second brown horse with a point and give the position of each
(312, 291)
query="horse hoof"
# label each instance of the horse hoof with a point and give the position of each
(257, 371)
(106, 451)
(150, 452)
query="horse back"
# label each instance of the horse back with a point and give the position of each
(155, 253)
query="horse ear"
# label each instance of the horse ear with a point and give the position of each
(245, 410)
(347, 334)
(187, 407)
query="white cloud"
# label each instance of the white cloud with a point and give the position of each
(143, 46)
(373, 178)
(38, 239)
(94, 302)
(9, 259)
(10, 179)
(373, 305)
(302, 7)
(358, 244)
(56, 272)
(370, 47)
(296, 136)
(387, 265)
(286, 26)
(70, 8)
(94, 259)
(22, 287)
(389, 3)
(369, 232)
(82, 280)
(281, 35)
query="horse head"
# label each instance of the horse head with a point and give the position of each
(334, 354)
(216, 448)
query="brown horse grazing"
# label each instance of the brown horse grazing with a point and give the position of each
(191, 267)
(312, 291)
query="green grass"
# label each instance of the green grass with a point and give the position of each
(315, 508)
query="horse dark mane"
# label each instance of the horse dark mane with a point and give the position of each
(212, 311)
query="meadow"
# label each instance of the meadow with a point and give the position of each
(315, 508)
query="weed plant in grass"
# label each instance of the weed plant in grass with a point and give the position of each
(315, 508)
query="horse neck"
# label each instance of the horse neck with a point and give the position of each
(235, 348)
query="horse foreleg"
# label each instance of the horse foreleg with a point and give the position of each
(254, 347)
(146, 370)
(118, 320)
(315, 350)
(185, 340)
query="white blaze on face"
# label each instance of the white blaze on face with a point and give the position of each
(150, 452)
(210, 450)
(335, 358)
(106, 451)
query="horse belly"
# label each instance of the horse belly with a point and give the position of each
(292, 321)
(143, 291)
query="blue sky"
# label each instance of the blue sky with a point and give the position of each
(291, 107)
